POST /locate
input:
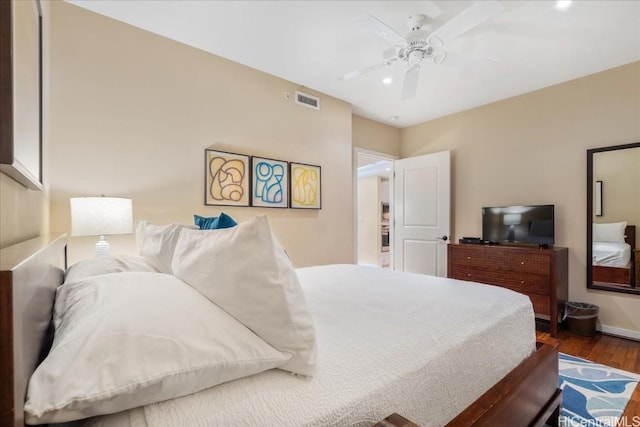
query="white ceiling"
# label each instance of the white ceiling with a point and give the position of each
(532, 44)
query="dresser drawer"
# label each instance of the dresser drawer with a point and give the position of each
(468, 258)
(528, 283)
(520, 282)
(478, 274)
(530, 263)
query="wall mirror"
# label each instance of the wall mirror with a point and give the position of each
(613, 214)
(20, 92)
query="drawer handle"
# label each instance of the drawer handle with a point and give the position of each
(521, 262)
(468, 257)
(468, 274)
(522, 282)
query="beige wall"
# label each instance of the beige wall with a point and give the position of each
(132, 114)
(620, 173)
(375, 136)
(24, 213)
(531, 149)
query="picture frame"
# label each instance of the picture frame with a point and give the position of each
(269, 183)
(598, 199)
(227, 179)
(305, 183)
(21, 92)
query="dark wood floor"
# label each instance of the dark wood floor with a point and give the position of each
(608, 350)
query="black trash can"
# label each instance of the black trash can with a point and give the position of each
(582, 318)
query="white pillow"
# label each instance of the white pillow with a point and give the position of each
(612, 232)
(106, 264)
(124, 340)
(244, 271)
(156, 243)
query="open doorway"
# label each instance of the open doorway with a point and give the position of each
(374, 196)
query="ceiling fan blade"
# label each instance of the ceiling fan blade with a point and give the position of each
(458, 59)
(410, 84)
(381, 29)
(356, 73)
(431, 9)
(474, 15)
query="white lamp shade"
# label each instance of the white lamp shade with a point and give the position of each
(95, 216)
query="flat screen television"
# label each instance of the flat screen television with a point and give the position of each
(518, 224)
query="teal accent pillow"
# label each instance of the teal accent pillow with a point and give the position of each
(214, 222)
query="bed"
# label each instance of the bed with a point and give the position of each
(613, 262)
(394, 370)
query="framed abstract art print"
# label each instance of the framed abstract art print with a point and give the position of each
(270, 183)
(227, 180)
(306, 186)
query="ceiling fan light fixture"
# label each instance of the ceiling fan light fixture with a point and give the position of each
(415, 57)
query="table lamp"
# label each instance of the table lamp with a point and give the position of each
(101, 216)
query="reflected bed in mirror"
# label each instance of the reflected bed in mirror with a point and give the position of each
(612, 248)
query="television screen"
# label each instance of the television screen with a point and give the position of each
(518, 224)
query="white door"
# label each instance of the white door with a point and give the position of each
(422, 202)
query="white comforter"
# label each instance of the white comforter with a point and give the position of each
(422, 346)
(611, 254)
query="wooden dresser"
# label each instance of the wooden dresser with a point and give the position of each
(542, 274)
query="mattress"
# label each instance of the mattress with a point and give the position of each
(611, 254)
(422, 346)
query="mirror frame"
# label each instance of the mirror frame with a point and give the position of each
(10, 164)
(590, 153)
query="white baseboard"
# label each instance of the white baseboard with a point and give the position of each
(625, 333)
(605, 329)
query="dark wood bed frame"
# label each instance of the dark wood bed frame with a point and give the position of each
(32, 270)
(619, 275)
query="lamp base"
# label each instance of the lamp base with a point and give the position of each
(103, 248)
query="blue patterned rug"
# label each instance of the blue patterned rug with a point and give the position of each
(593, 395)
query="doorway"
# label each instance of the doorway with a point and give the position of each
(419, 208)
(374, 197)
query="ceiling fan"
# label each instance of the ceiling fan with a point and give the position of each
(420, 43)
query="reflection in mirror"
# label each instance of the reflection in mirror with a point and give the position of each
(613, 212)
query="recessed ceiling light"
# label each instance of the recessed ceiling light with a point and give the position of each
(393, 118)
(387, 80)
(563, 4)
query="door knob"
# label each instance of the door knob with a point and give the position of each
(444, 238)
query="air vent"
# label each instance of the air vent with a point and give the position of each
(307, 100)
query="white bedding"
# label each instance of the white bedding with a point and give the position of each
(611, 254)
(422, 346)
